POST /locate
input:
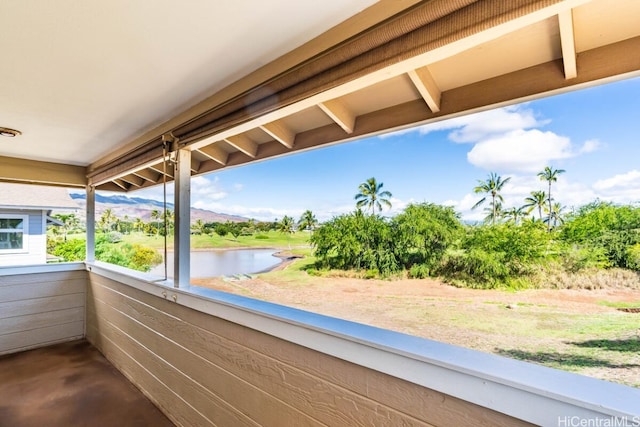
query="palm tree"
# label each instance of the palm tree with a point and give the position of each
(69, 222)
(371, 196)
(493, 213)
(107, 219)
(536, 200)
(556, 215)
(198, 227)
(155, 216)
(286, 226)
(514, 215)
(307, 221)
(492, 186)
(550, 175)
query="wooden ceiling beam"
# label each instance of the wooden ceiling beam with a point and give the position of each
(13, 169)
(133, 180)
(158, 167)
(426, 85)
(339, 113)
(243, 143)
(567, 41)
(280, 132)
(148, 175)
(195, 165)
(121, 184)
(215, 153)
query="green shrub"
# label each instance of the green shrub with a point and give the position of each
(71, 250)
(419, 271)
(423, 232)
(355, 241)
(262, 237)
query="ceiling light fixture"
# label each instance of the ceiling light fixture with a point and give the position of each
(9, 133)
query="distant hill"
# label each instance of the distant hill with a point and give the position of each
(136, 207)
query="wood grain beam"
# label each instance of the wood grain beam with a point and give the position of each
(121, 184)
(195, 165)
(339, 113)
(280, 132)
(567, 40)
(45, 173)
(244, 143)
(133, 180)
(159, 167)
(148, 175)
(215, 153)
(426, 85)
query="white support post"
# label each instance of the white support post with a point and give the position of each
(182, 228)
(91, 224)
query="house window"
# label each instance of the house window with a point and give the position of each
(13, 232)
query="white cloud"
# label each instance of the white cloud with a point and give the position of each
(621, 188)
(520, 150)
(203, 189)
(590, 146)
(476, 127)
(630, 179)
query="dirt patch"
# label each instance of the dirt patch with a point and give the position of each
(542, 326)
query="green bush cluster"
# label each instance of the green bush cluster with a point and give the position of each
(134, 256)
(429, 240)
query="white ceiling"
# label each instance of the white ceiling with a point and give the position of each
(88, 76)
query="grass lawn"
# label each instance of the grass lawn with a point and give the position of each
(272, 239)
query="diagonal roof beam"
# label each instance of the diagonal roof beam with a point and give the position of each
(244, 144)
(148, 175)
(158, 167)
(567, 40)
(339, 113)
(133, 179)
(280, 132)
(426, 85)
(215, 153)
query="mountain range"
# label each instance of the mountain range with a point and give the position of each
(137, 207)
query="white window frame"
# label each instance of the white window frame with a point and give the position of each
(24, 230)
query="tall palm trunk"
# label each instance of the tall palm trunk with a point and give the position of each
(550, 207)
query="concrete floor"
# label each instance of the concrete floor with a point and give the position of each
(70, 384)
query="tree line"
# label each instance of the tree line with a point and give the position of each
(427, 239)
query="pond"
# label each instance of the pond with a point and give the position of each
(216, 263)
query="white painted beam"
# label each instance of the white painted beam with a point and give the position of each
(215, 153)
(426, 85)
(339, 113)
(90, 254)
(244, 144)
(182, 218)
(148, 174)
(280, 132)
(567, 40)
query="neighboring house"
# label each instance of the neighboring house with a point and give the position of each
(24, 214)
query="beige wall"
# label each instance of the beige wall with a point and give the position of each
(202, 370)
(41, 308)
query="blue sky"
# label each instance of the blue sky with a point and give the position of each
(594, 134)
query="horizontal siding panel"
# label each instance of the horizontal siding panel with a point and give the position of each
(41, 289)
(41, 320)
(417, 402)
(178, 411)
(18, 341)
(56, 276)
(40, 305)
(199, 399)
(221, 387)
(321, 399)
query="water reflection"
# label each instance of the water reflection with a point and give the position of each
(224, 262)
